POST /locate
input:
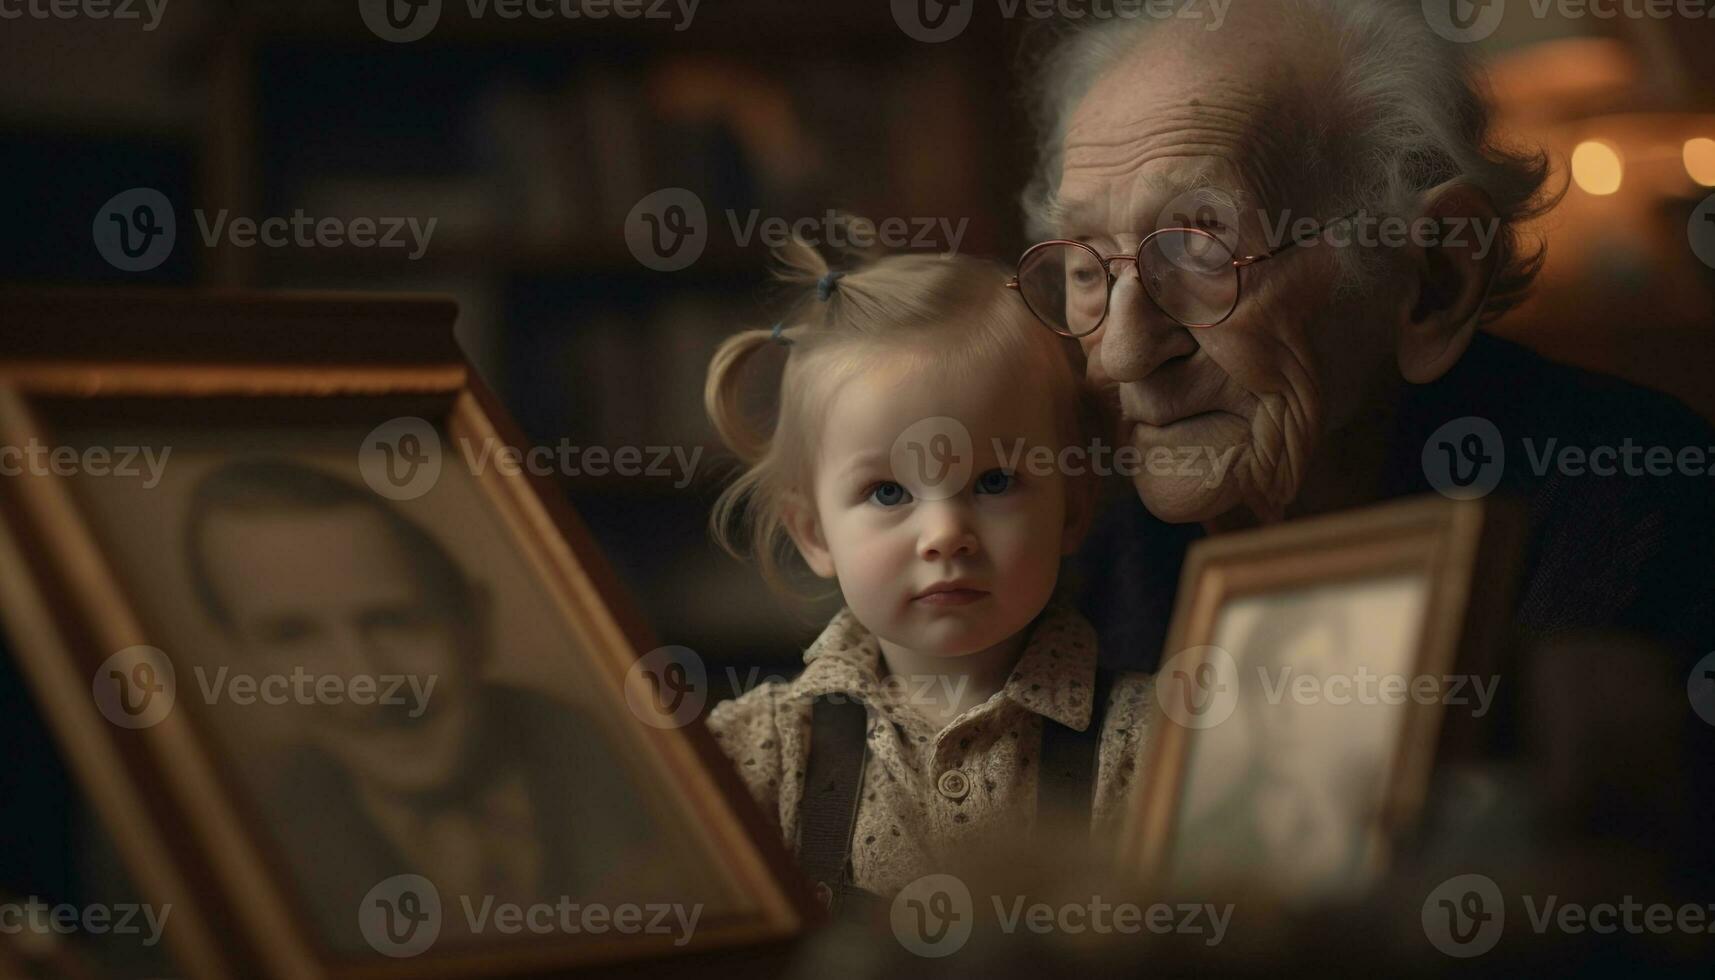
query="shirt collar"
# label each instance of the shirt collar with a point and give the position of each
(1053, 676)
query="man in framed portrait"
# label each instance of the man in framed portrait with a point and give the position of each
(489, 790)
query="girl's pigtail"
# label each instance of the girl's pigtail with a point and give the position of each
(723, 395)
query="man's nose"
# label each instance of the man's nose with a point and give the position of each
(351, 653)
(1136, 337)
(946, 531)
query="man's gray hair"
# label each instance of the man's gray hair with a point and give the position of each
(1399, 110)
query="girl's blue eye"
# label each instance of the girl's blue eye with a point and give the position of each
(888, 494)
(994, 481)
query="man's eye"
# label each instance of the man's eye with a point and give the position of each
(395, 619)
(888, 494)
(994, 481)
(285, 630)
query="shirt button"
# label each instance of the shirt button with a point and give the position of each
(954, 785)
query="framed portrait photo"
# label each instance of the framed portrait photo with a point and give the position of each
(350, 697)
(1313, 671)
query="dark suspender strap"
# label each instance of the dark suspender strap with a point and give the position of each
(1065, 790)
(833, 777)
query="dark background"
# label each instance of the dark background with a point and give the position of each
(530, 141)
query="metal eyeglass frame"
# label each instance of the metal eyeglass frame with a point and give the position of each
(1135, 259)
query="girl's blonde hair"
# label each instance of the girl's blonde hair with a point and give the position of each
(768, 389)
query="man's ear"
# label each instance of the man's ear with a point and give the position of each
(805, 529)
(1449, 280)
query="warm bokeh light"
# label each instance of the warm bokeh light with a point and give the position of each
(1700, 160)
(1596, 167)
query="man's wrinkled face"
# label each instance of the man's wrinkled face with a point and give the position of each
(1144, 148)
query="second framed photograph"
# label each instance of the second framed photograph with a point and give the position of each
(1310, 675)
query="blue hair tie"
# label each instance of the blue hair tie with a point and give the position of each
(825, 285)
(777, 338)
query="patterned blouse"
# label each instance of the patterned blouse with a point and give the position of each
(930, 794)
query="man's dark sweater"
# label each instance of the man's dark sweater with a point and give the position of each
(1627, 552)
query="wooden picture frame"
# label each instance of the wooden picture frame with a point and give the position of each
(1429, 580)
(167, 793)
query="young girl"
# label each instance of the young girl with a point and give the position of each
(912, 451)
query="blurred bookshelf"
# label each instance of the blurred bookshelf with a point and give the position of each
(530, 141)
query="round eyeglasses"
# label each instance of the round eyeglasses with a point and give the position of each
(1188, 273)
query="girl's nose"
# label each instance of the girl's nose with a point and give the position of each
(946, 532)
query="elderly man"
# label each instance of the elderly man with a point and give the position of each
(1293, 355)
